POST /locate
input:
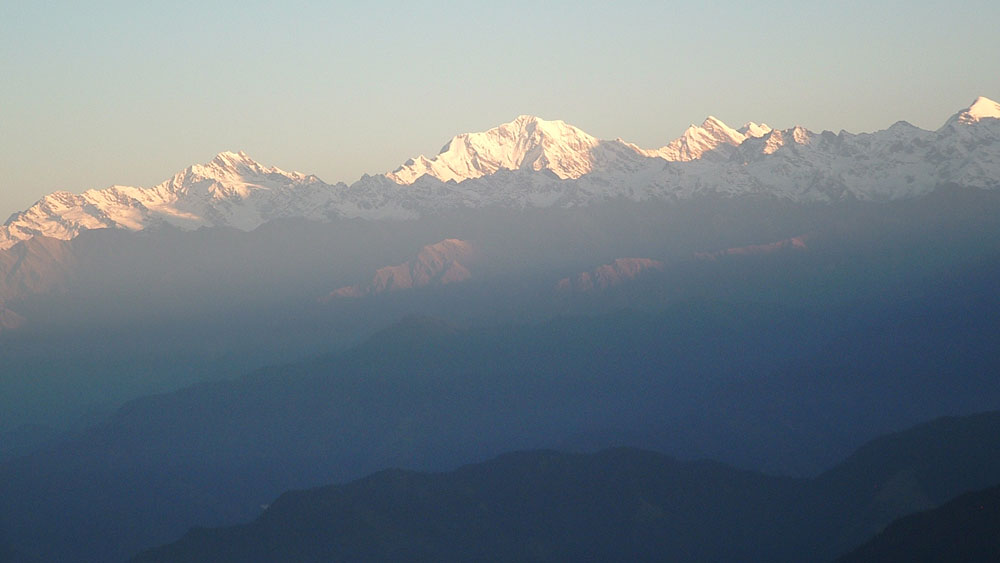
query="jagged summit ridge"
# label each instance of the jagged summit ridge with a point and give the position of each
(531, 143)
(710, 135)
(531, 162)
(210, 194)
(713, 136)
(527, 142)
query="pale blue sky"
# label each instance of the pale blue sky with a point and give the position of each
(131, 92)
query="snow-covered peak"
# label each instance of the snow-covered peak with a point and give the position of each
(235, 166)
(710, 135)
(228, 176)
(754, 130)
(776, 138)
(531, 143)
(232, 189)
(229, 160)
(499, 167)
(801, 135)
(527, 142)
(230, 157)
(981, 108)
(714, 123)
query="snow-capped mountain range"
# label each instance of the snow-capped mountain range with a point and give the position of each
(531, 162)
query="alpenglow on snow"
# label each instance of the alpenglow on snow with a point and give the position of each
(531, 162)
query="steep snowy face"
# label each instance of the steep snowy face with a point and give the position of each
(982, 108)
(709, 136)
(525, 143)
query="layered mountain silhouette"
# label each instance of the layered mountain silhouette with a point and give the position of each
(124, 314)
(963, 529)
(757, 386)
(526, 506)
(635, 505)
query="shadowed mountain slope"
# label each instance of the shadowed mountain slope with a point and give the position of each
(530, 506)
(905, 472)
(966, 530)
(618, 504)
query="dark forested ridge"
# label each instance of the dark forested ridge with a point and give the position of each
(913, 470)
(696, 380)
(634, 505)
(966, 529)
(620, 504)
(546, 505)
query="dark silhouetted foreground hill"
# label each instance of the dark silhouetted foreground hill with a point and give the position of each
(964, 530)
(620, 504)
(901, 473)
